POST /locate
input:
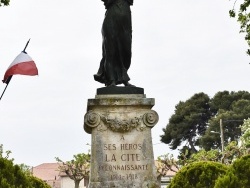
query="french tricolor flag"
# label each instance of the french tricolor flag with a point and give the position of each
(23, 65)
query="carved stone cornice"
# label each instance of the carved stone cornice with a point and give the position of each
(119, 123)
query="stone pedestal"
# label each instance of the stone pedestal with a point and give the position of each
(121, 147)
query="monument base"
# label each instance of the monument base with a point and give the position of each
(119, 90)
(121, 146)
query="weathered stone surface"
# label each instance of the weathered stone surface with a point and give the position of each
(121, 148)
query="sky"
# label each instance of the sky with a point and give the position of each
(180, 47)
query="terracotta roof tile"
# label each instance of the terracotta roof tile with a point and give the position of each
(46, 171)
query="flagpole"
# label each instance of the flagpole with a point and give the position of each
(7, 83)
(26, 46)
(9, 78)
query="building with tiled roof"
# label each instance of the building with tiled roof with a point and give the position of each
(49, 173)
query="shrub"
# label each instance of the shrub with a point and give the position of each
(201, 174)
(12, 176)
(37, 183)
(237, 175)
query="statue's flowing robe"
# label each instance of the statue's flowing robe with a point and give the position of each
(117, 41)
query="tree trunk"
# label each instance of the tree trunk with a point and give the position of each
(77, 183)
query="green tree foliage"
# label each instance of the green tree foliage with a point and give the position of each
(34, 181)
(224, 99)
(184, 154)
(194, 119)
(198, 175)
(7, 153)
(235, 156)
(243, 17)
(203, 155)
(37, 183)
(26, 169)
(166, 163)
(12, 175)
(232, 151)
(189, 121)
(237, 175)
(4, 2)
(76, 169)
(245, 138)
(232, 108)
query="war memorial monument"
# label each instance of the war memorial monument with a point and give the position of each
(120, 118)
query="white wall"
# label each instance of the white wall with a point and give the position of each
(66, 182)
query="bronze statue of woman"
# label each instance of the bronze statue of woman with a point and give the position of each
(116, 45)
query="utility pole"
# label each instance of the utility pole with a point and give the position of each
(221, 136)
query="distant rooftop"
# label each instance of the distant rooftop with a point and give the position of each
(49, 173)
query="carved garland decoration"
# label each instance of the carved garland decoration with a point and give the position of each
(93, 119)
(121, 125)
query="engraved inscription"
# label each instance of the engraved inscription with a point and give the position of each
(119, 158)
(123, 167)
(124, 177)
(109, 147)
(111, 158)
(131, 146)
(130, 157)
